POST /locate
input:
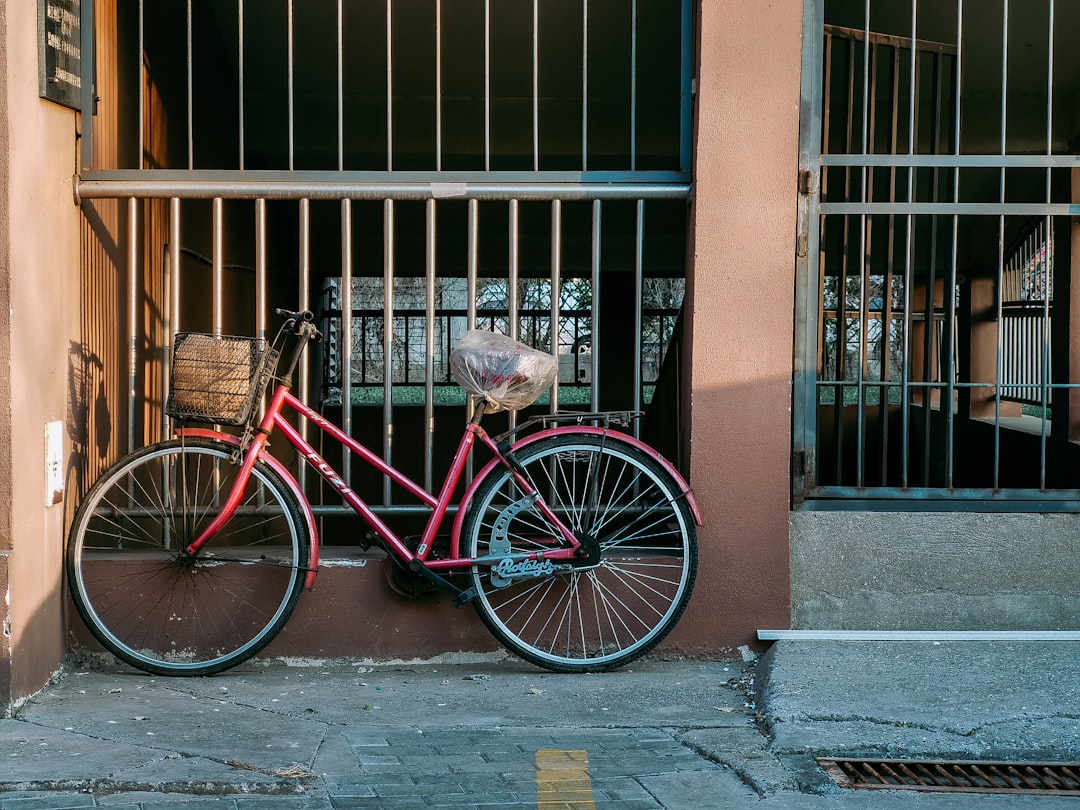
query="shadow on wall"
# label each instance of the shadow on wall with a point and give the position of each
(36, 648)
(89, 420)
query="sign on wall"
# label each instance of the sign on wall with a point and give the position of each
(60, 51)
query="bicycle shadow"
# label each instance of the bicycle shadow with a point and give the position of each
(89, 420)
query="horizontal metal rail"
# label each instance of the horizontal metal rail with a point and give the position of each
(952, 208)
(951, 161)
(343, 185)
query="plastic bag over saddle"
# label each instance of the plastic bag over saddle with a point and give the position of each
(507, 374)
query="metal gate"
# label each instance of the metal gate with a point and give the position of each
(284, 154)
(934, 209)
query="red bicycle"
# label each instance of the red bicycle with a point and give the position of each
(575, 543)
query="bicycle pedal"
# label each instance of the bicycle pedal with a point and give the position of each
(464, 597)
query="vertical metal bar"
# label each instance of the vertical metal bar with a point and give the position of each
(346, 333)
(388, 341)
(340, 87)
(133, 299)
(487, 85)
(948, 340)
(887, 296)
(633, 94)
(914, 76)
(174, 263)
(933, 346)
(842, 281)
(639, 283)
(472, 262)
(863, 332)
(304, 262)
(513, 260)
(686, 95)
(813, 121)
(169, 297)
(512, 282)
(1047, 381)
(1001, 240)
(595, 307)
(438, 85)
(218, 263)
(87, 101)
(865, 77)
(1043, 262)
(1049, 93)
(909, 274)
(240, 74)
(864, 264)
(429, 341)
(999, 359)
(584, 85)
(950, 461)
(389, 85)
(556, 278)
(292, 89)
(536, 84)
(472, 271)
(140, 155)
(934, 343)
(261, 313)
(1004, 76)
(190, 91)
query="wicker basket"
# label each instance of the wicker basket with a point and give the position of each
(218, 379)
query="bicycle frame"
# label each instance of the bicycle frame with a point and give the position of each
(564, 547)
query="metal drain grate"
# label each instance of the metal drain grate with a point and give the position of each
(1043, 778)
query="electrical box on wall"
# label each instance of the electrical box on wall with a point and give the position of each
(54, 463)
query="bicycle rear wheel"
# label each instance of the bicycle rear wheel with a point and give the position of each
(609, 609)
(160, 609)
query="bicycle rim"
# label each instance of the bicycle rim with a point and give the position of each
(169, 613)
(604, 614)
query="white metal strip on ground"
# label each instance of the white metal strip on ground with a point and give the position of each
(919, 635)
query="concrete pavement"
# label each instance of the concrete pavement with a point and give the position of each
(492, 732)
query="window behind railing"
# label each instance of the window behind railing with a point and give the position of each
(1027, 299)
(408, 342)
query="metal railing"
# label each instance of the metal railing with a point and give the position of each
(402, 155)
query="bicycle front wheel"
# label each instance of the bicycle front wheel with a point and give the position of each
(608, 609)
(161, 609)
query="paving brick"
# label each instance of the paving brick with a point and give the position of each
(623, 788)
(473, 800)
(375, 803)
(412, 789)
(55, 802)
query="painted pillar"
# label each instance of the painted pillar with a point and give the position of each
(39, 275)
(740, 310)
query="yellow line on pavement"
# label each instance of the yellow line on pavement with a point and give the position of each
(562, 780)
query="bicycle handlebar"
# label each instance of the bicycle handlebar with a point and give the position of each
(301, 323)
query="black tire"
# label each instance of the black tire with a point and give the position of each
(610, 611)
(169, 613)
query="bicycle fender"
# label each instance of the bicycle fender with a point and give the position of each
(612, 436)
(290, 482)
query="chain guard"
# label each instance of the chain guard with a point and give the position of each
(506, 571)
